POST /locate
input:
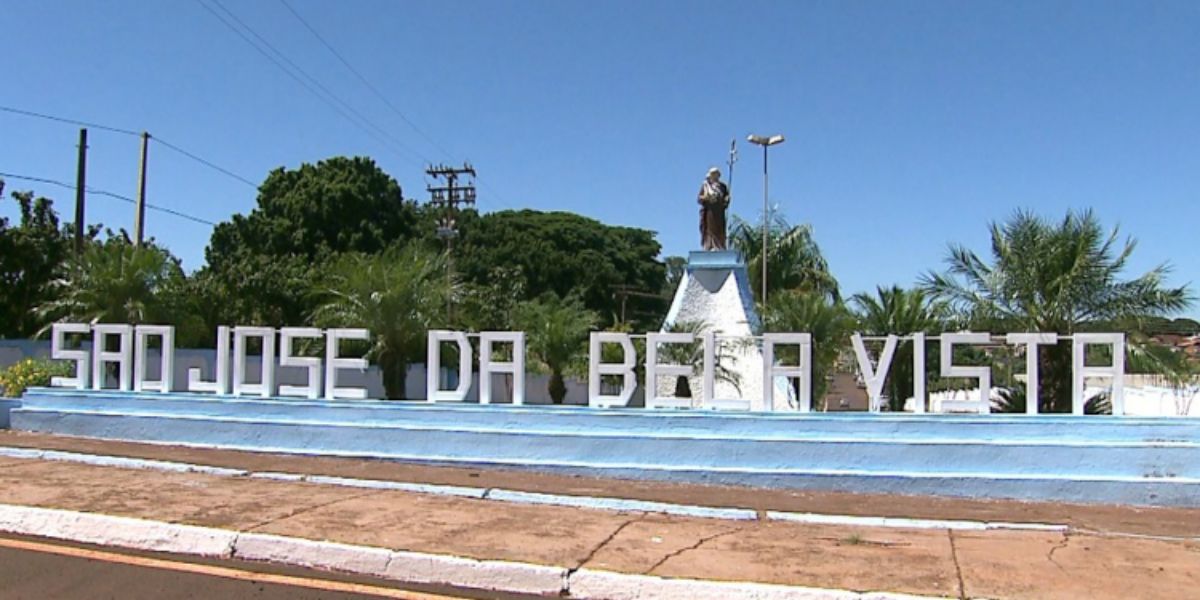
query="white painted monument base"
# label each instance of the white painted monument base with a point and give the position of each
(715, 291)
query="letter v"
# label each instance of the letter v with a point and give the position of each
(874, 376)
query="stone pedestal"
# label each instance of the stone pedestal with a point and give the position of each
(715, 291)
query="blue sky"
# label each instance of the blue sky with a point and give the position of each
(910, 124)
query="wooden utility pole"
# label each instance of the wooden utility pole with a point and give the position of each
(139, 221)
(448, 197)
(80, 185)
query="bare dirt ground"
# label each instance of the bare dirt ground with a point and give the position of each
(1110, 552)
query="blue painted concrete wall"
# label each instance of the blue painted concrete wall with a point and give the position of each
(6, 406)
(1152, 461)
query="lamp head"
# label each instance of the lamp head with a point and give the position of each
(764, 140)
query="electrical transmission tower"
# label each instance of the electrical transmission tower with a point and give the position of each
(448, 197)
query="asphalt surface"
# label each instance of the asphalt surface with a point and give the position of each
(95, 573)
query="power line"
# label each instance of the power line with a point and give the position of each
(29, 113)
(364, 80)
(99, 192)
(374, 90)
(204, 162)
(191, 155)
(313, 85)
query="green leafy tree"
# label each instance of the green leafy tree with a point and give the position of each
(398, 295)
(1062, 277)
(825, 319)
(794, 260)
(260, 264)
(260, 289)
(558, 331)
(489, 305)
(32, 256)
(1182, 326)
(676, 267)
(118, 282)
(898, 311)
(567, 254)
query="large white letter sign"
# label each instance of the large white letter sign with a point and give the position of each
(1080, 371)
(266, 387)
(1032, 341)
(801, 371)
(874, 376)
(655, 369)
(220, 382)
(487, 366)
(80, 357)
(166, 359)
(123, 355)
(708, 371)
(597, 369)
(918, 343)
(312, 387)
(984, 374)
(433, 367)
(334, 362)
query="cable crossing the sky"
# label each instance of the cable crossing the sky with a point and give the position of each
(99, 192)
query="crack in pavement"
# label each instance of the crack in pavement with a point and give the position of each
(962, 586)
(700, 542)
(604, 543)
(310, 508)
(1059, 546)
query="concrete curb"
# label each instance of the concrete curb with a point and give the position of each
(411, 567)
(514, 577)
(137, 534)
(906, 523)
(589, 584)
(330, 556)
(402, 566)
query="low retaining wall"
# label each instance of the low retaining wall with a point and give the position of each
(1150, 461)
(6, 406)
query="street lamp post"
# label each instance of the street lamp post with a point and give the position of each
(765, 142)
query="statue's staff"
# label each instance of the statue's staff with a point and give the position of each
(732, 160)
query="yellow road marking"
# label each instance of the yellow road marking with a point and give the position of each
(225, 572)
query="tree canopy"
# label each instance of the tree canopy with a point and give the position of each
(30, 255)
(794, 260)
(33, 254)
(567, 254)
(397, 295)
(337, 205)
(1059, 277)
(263, 262)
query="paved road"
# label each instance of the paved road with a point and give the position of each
(34, 569)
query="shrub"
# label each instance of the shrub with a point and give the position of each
(30, 373)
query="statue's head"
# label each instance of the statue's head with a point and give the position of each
(714, 174)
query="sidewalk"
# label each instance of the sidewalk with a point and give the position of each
(1110, 552)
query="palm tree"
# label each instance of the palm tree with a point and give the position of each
(117, 282)
(826, 320)
(558, 331)
(896, 310)
(794, 262)
(398, 295)
(1062, 278)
